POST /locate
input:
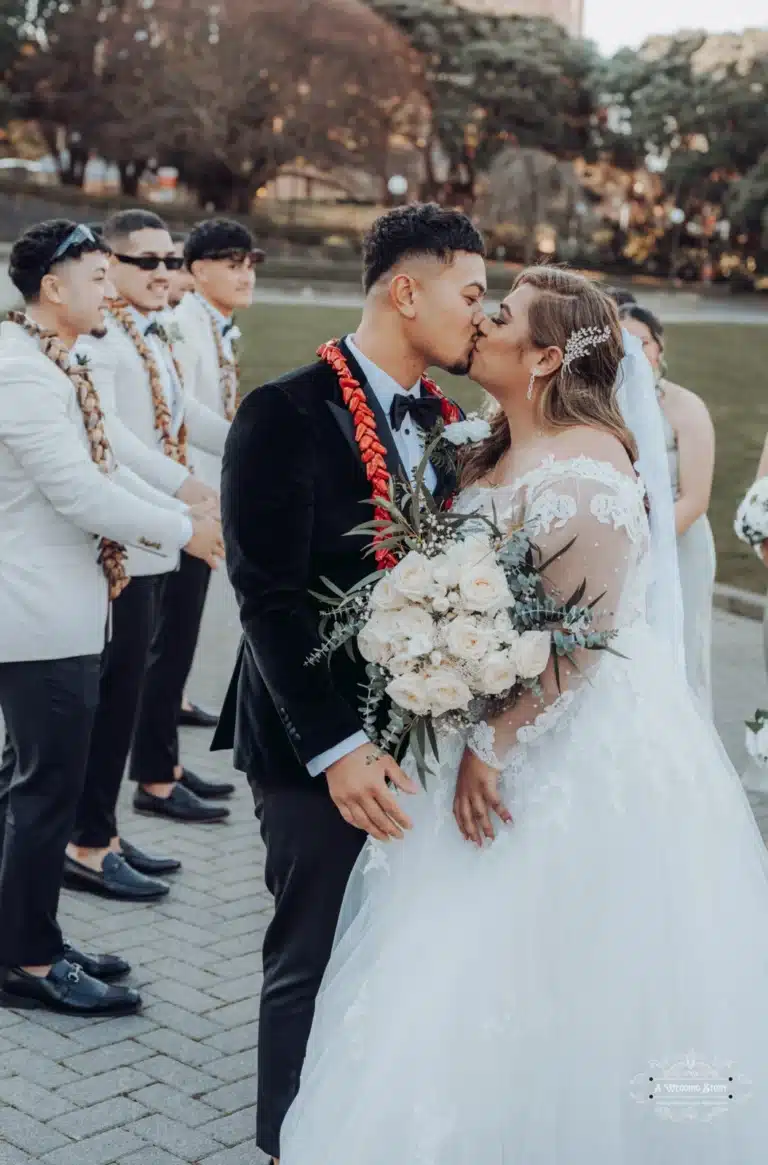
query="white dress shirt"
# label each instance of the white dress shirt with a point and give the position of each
(227, 330)
(172, 389)
(409, 441)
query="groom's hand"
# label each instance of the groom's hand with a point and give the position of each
(477, 796)
(358, 786)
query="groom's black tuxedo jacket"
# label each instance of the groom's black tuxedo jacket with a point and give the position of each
(293, 485)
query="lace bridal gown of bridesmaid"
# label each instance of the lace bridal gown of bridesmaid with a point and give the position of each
(592, 987)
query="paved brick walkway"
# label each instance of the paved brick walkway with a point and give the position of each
(176, 1084)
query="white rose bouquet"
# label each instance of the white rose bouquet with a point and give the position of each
(751, 523)
(457, 629)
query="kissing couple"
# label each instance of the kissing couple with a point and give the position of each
(506, 966)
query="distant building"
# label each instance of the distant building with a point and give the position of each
(569, 13)
(718, 49)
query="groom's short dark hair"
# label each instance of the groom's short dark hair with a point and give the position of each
(419, 229)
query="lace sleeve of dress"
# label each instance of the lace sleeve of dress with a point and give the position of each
(601, 510)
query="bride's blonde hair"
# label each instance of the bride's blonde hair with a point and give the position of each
(584, 393)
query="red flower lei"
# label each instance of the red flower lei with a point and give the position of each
(371, 449)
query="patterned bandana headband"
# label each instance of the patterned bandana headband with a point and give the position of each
(582, 341)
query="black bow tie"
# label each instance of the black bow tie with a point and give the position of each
(227, 328)
(425, 411)
(155, 329)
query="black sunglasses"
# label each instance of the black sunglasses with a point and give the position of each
(252, 257)
(152, 262)
(76, 237)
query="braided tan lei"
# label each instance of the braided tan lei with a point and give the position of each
(229, 370)
(111, 554)
(174, 447)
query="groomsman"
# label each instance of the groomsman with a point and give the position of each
(180, 281)
(134, 368)
(220, 256)
(65, 510)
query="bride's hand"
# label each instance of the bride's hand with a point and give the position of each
(477, 796)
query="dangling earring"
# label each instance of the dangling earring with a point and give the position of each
(529, 394)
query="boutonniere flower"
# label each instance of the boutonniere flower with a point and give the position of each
(468, 431)
(173, 333)
(234, 334)
(82, 361)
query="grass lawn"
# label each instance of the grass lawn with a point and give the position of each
(726, 364)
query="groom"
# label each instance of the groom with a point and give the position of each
(304, 454)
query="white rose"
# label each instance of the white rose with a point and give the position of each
(413, 577)
(398, 665)
(502, 625)
(385, 596)
(448, 566)
(376, 640)
(412, 631)
(484, 587)
(468, 638)
(446, 691)
(497, 673)
(441, 605)
(474, 428)
(531, 651)
(409, 691)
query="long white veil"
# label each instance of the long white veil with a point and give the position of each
(636, 393)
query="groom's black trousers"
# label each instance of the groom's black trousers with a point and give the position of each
(310, 854)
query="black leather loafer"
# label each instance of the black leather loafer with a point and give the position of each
(146, 863)
(97, 966)
(181, 805)
(205, 789)
(115, 879)
(196, 717)
(68, 989)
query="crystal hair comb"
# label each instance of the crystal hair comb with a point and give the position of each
(582, 341)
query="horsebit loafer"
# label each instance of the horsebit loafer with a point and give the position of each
(67, 988)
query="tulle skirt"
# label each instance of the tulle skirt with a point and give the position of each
(589, 989)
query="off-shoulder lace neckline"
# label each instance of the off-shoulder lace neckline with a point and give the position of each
(582, 465)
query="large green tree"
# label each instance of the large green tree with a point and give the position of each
(496, 81)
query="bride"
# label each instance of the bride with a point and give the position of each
(565, 961)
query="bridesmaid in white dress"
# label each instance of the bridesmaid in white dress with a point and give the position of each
(691, 448)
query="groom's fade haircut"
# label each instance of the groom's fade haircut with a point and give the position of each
(121, 225)
(32, 254)
(421, 229)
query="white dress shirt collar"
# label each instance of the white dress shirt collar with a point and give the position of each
(218, 316)
(382, 384)
(142, 319)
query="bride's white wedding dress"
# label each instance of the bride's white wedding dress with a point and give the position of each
(591, 988)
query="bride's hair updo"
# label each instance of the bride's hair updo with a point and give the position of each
(584, 393)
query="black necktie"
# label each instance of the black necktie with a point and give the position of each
(424, 410)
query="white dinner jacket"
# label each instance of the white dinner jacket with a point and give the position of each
(195, 350)
(55, 505)
(123, 385)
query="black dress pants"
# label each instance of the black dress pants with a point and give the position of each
(310, 854)
(48, 707)
(123, 667)
(155, 751)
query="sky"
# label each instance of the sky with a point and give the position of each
(612, 23)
